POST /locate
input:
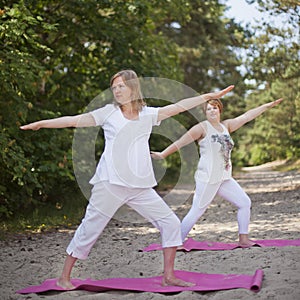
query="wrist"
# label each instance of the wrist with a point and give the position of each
(163, 155)
(208, 96)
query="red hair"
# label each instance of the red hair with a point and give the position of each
(213, 102)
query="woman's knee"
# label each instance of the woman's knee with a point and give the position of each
(198, 210)
(246, 202)
(176, 221)
(172, 222)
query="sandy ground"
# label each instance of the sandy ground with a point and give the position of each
(29, 260)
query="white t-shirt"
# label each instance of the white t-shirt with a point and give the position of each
(215, 155)
(126, 157)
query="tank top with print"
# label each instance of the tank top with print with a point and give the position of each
(215, 151)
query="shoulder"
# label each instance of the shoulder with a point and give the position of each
(198, 131)
(102, 113)
(200, 125)
(149, 110)
(226, 124)
(203, 125)
(108, 108)
(151, 114)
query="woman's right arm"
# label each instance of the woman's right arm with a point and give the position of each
(195, 133)
(83, 120)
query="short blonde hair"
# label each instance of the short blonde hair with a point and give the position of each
(131, 80)
(213, 102)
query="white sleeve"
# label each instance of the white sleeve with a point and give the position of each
(101, 114)
(153, 111)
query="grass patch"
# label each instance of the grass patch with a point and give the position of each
(290, 165)
(45, 218)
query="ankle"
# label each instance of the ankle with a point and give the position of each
(243, 237)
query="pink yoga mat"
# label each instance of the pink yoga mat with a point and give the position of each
(191, 244)
(203, 282)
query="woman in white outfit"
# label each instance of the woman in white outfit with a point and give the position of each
(213, 175)
(124, 174)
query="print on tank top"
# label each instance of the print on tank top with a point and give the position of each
(226, 146)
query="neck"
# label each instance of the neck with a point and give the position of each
(128, 107)
(129, 111)
(214, 122)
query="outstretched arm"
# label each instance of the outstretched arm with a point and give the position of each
(195, 133)
(189, 103)
(236, 123)
(83, 120)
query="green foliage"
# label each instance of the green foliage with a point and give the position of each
(56, 57)
(206, 43)
(275, 134)
(19, 73)
(273, 62)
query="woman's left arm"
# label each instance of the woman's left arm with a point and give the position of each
(189, 103)
(236, 123)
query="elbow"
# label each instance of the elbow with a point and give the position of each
(178, 145)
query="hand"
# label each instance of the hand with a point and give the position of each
(276, 102)
(156, 155)
(31, 126)
(216, 95)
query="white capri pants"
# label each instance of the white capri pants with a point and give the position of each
(105, 200)
(205, 192)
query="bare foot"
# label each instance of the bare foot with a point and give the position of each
(176, 282)
(65, 284)
(246, 244)
(244, 241)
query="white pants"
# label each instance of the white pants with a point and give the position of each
(105, 200)
(231, 191)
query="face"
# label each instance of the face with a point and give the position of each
(212, 112)
(121, 91)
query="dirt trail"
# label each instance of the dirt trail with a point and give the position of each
(275, 214)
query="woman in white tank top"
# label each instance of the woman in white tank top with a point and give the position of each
(213, 175)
